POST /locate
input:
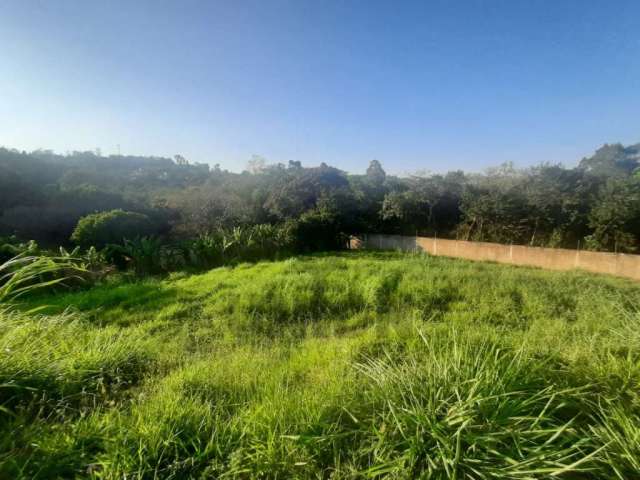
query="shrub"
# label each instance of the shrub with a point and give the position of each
(102, 228)
(145, 255)
(317, 230)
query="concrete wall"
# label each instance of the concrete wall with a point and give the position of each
(620, 264)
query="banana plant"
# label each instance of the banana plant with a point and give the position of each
(142, 254)
(24, 274)
(64, 253)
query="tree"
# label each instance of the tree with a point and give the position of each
(299, 190)
(615, 217)
(180, 160)
(558, 202)
(256, 165)
(318, 230)
(100, 229)
(494, 215)
(375, 173)
(430, 204)
(612, 160)
(43, 195)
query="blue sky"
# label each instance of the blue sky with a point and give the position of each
(433, 85)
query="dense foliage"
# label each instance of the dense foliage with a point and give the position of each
(355, 365)
(313, 367)
(114, 226)
(594, 205)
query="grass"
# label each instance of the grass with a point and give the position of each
(357, 365)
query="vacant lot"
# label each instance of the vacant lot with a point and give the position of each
(340, 366)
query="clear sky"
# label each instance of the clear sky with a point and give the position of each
(433, 85)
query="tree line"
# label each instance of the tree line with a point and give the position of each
(44, 196)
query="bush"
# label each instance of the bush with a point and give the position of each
(144, 255)
(114, 226)
(317, 230)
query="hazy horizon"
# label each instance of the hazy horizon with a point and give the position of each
(417, 86)
(240, 167)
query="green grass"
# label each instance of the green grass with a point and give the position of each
(356, 365)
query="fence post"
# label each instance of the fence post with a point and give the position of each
(435, 243)
(577, 261)
(511, 252)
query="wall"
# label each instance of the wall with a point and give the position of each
(620, 264)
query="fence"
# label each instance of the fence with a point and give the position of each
(620, 264)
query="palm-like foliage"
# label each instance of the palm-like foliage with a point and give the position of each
(25, 273)
(142, 254)
(150, 255)
(238, 244)
(204, 251)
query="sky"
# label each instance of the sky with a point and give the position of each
(425, 85)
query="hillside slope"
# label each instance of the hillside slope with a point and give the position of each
(350, 365)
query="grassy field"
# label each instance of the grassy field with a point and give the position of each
(355, 365)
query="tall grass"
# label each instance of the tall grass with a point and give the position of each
(24, 274)
(367, 365)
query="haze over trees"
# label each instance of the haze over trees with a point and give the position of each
(595, 205)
